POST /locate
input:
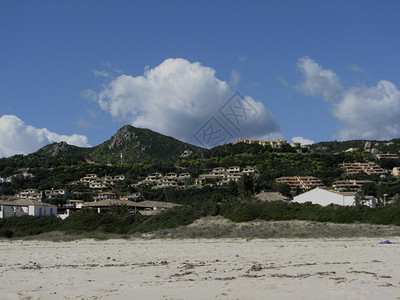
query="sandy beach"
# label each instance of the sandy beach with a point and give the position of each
(351, 268)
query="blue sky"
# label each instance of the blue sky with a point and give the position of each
(309, 70)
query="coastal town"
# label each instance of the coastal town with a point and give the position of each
(105, 195)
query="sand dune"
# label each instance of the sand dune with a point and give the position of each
(353, 268)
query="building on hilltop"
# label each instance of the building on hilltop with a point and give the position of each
(278, 144)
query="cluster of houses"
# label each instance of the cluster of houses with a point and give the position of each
(222, 176)
(105, 201)
(219, 176)
(343, 192)
(370, 168)
(99, 183)
(158, 180)
(9, 179)
(306, 183)
(278, 144)
(27, 203)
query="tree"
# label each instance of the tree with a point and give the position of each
(369, 189)
(246, 184)
(284, 189)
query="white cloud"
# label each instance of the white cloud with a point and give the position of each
(101, 73)
(317, 81)
(369, 112)
(364, 112)
(301, 140)
(176, 98)
(235, 78)
(16, 137)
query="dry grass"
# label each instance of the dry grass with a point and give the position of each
(219, 227)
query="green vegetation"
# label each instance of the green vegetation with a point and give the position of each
(27, 225)
(236, 211)
(138, 145)
(144, 151)
(279, 210)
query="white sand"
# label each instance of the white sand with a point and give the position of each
(357, 268)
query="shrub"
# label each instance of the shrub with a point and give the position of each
(7, 233)
(29, 225)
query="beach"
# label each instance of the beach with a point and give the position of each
(344, 268)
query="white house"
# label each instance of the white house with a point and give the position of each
(29, 207)
(325, 197)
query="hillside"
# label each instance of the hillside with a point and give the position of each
(392, 146)
(137, 145)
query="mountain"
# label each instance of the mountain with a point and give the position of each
(61, 148)
(137, 145)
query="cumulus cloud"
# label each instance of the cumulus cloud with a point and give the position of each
(177, 98)
(369, 112)
(317, 81)
(303, 141)
(365, 112)
(16, 137)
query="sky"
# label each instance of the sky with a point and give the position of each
(205, 72)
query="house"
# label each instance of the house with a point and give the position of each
(22, 207)
(370, 168)
(232, 176)
(233, 169)
(32, 194)
(171, 176)
(54, 193)
(106, 205)
(387, 156)
(248, 170)
(325, 197)
(104, 196)
(302, 182)
(349, 185)
(184, 176)
(396, 171)
(165, 183)
(71, 206)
